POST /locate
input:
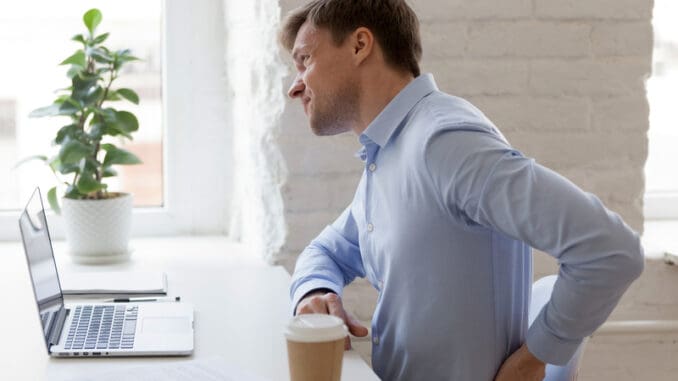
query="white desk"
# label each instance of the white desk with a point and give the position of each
(241, 306)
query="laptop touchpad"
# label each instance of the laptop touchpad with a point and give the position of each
(161, 324)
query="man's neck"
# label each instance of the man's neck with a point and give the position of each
(376, 92)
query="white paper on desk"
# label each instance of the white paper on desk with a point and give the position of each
(211, 369)
(114, 283)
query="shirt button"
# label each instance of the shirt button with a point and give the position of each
(372, 167)
(370, 228)
(375, 340)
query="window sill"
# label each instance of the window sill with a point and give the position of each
(147, 253)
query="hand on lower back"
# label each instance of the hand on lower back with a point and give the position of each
(330, 303)
(521, 366)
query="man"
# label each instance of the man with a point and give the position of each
(445, 213)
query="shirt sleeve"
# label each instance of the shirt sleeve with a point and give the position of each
(486, 181)
(332, 260)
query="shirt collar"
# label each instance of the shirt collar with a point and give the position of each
(384, 125)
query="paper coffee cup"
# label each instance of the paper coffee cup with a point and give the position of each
(315, 347)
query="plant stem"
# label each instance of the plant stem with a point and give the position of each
(99, 171)
(83, 115)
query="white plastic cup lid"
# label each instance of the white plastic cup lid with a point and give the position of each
(315, 328)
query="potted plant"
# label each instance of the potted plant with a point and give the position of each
(97, 221)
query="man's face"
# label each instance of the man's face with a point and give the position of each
(326, 81)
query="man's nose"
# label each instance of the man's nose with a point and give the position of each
(297, 88)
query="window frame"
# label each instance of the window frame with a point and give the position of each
(196, 113)
(661, 206)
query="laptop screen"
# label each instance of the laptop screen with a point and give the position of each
(41, 265)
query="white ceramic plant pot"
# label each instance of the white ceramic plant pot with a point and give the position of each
(98, 231)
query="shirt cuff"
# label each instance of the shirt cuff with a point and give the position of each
(309, 286)
(546, 346)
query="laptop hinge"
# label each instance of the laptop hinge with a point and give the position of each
(57, 326)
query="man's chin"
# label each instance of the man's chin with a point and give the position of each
(327, 130)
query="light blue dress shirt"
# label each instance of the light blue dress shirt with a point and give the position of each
(442, 225)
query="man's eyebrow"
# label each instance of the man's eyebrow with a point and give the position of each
(295, 52)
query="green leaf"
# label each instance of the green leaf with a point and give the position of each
(30, 158)
(119, 156)
(127, 122)
(109, 172)
(53, 201)
(69, 107)
(88, 164)
(125, 55)
(107, 146)
(114, 131)
(112, 95)
(78, 38)
(93, 96)
(84, 81)
(67, 169)
(113, 126)
(102, 70)
(64, 132)
(50, 110)
(129, 94)
(119, 122)
(96, 131)
(77, 58)
(100, 55)
(128, 58)
(108, 114)
(83, 88)
(72, 151)
(66, 106)
(55, 163)
(74, 70)
(56, 166)
(88, 184)
(92, 18)
(100, 38)
(72, 192)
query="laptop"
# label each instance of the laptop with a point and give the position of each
(97, 329)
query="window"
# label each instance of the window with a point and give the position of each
(37, 37)
(184, 137)
(661, 170)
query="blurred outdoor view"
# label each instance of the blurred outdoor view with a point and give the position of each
(661, 170)
(35, 36)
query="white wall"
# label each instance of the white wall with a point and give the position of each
(564, 80)
(255, 74)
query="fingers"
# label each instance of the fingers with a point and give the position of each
(521, 365)
(334, 306)
(355, 327)
(331, 304)
(313, 304)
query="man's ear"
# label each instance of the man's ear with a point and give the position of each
(362, 43)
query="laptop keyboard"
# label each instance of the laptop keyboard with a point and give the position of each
(103, 327)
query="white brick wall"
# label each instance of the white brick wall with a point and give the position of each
(528, 38)
(563, 79)
(593, 9)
